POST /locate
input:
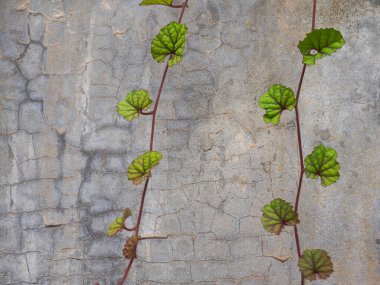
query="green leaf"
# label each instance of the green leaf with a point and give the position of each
(278, 214)
(156, 2)
(170, 41)
(141, 167)
(315, 264)
(319, 43)
(115, 227)
(118, 224)
(277, 99)
(322, 162)
(134, 103)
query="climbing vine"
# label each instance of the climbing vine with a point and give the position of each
(313, 263)
(168, 45)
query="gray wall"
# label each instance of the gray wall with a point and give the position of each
(64, 150)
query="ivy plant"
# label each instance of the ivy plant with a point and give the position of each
(278, 99)
(119, 223)
(319, 43)
(141, 167)
(134, 104)
(320, 163)
(315, 264)
(170, 41)
(169, 44)
(278, 214)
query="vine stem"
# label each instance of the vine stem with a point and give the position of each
(314, 14)
(184, 5)
(299, 139)
(156, 106)
(126, 272)
(153, 113)
(141, 207)
(302, 168)
(175, 6)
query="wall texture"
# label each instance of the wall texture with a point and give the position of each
(64, 65)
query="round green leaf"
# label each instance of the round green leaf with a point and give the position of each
(118, 224)
(277, 99)
(319, 43)
(170, 41)
(115, 227)
(315, 264)
(322, 162)
(156, 2)
(141, 167)
(134, 103)
(278, 214)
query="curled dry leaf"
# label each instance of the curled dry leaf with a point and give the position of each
(130, 247)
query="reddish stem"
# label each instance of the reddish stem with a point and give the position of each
(156, 106)
(299, 139)
(146, 113)
(314, 14)
(126, 272)
(298, 244)
(129, 229)
(299, 190)
(300, 82)
(153, 113)
(177, 5)
(141, 207)
(184, 5)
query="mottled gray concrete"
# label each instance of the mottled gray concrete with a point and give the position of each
(64, 150)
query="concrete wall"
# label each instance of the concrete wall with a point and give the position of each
(64, 150)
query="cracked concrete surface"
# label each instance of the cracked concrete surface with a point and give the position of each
(64, 150)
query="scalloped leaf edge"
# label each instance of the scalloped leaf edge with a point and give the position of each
(315, 267)
(315, 174)
(137, 171)
(274, 108)
(307, 45)
(272, 220)
(118, 224)
(135, 101)
(159, 49)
